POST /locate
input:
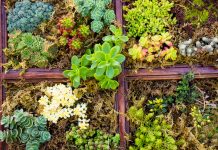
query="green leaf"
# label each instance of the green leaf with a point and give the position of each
(84, 60)
(114, 51)
(94, 65)
(113, 29)
(107, 38)
(113, 84)
(97, 47)
(106, 47)
(99, 56)
(124, 38)
(76, 82)
(102, 64)
(83, 72)
(100, 71)
(75, 60)
(67, 73)
(110, 72)
(120, 58)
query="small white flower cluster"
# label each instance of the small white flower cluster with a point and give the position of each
(58, 102)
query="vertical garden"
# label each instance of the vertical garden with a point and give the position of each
(109, 74)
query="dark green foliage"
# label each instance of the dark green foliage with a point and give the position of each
(186, 92)
(26, 16)
(93, 139)
(26, 128)
(31, 50)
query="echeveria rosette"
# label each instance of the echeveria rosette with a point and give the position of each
(26, 128)
(97, 14)
(109, 16)
(97, 26)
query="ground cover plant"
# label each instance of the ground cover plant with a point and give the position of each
(191, 24)
(173, 114)
(67, 122)
(67, 24)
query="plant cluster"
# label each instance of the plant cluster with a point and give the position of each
(71, 33)
(148, 16)
(199, 119)
(30, 50)
(209, 45)
(157, 106)
(98, 11)
(186, 92)
(58, 102)
(153, 48)
(198, 12)
(26, 128)
(152, 133)
(92, 139)
(26, 15)
(103, 64)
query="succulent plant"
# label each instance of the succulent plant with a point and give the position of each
(154, 47)
(92, 139)
(98, 11)
(26, 128)
(26, 15)
(209, 45)
(84, 31)
(33, 50)
(75, 44)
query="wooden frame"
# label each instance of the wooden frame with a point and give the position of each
(55, 75)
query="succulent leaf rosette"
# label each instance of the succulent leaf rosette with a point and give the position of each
(60, 102)
(152, 48)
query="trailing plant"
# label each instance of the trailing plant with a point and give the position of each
(71, 33)
(199, 119)
(117, 38)
(103, 64)
(148, 16)
(186, 92)
(153, 131)
(99, 12)
(25, 49)
(27, 15)
(154, 48)
(26, 128)
(90, 139)
(208, 45)
(58, 102)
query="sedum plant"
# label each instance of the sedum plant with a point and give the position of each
(98, 11)
(59, 101)
(27, 15)
(71, 33)
(104, 64)
(186, 92)
(153, 131)
(90, 139)
(30, 50)
(25, 128)
(148, 16)
(153, 48)
(199, 119)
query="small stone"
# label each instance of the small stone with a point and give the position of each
(205, 39)
(198, 44)
(188, 42)
(182, 46)
(208, 48)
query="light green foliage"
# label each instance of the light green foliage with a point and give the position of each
(93, 139)
(84, 30)
(98, 11)
(154, 48)
(157, 106)
(75, 44)
(186, 92)
(118, 38)
(26, 16)
(152, 133)
(199, 119)
(30, 49)
(148, 16)
(103, 64)
(198, 12)
(26, 128)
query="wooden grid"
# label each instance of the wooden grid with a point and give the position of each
(55, 75)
